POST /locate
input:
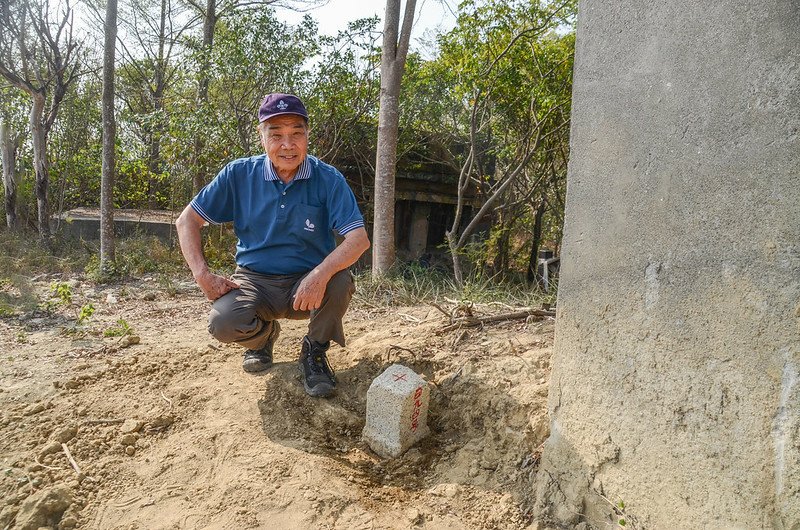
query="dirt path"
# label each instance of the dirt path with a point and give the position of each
(171, 433)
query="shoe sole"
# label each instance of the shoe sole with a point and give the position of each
(321, 390)
(254, 365)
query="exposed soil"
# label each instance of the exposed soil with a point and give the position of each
(169, 432)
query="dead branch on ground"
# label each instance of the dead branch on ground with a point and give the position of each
(472, 321)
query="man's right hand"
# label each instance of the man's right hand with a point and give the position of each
(188, 225)
(214, 285)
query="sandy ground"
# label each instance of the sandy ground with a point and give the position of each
(171, 433)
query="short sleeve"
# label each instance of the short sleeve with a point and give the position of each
(343, 209)
(214, 203)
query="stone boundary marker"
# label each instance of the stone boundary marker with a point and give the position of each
(397, 411)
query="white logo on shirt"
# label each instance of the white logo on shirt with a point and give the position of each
(282, 105)
(309, 226)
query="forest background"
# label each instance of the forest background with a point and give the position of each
(485, 106)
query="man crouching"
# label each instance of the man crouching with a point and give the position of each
(285, 207)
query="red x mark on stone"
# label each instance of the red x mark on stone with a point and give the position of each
(399, 377)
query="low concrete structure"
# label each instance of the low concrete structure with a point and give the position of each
(84, 223)
(397, 411)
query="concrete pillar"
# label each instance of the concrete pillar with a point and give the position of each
(676, 372)
(418, 238)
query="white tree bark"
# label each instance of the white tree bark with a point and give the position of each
(10, 181)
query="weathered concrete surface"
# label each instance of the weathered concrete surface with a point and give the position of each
(676, 371)
(397, 411)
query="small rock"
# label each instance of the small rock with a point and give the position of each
(128, 439)
(130, 426)
(68, 522)
(7, 516)
(149, 296)
(130, 450)
(129, 340)
(56, 384)
(49, 449)
(111, 299)
(36, 408)
(413, 515)
(44, 508)
(413, 454)
(67, 434)
(71, 384)
(162, 422)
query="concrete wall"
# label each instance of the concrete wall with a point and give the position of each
(676, 373)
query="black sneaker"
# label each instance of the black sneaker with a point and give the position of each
(318, 377)
(260, 360)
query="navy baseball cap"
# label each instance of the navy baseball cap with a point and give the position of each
(278, 104)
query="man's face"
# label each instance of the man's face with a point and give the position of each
(285, 140)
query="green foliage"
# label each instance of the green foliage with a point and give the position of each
(412, 284)
(6, 310)
(492, 57)
(62, 292)
(120, 329)
(136, 256)
(85, 313)
(219, 248)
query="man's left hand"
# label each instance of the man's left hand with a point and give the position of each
(311, 291)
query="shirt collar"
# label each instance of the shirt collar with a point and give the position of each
(303, 172)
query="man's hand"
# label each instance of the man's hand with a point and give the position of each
(311, 291)
(214, 285)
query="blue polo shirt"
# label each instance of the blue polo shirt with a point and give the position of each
(282, 228)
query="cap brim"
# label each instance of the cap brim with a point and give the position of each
(262, 120)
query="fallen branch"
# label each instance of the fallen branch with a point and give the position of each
(72, 461)
(409, 318)
(168, 400)
(448, 315)
(394, 348)
(470, 321)
(458, 339)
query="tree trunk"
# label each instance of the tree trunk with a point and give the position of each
(209, 23)
(452, 243)
(9, 149)
(107, 256)
(40, 165)
(383, 253)
(159, 75)
(393, 61)
(533, 260)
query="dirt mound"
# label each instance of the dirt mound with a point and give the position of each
(170, 433)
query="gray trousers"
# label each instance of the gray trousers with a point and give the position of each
(245, 315)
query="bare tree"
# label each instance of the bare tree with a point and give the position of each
(107, 257)
(393, 62)
(38, 54)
